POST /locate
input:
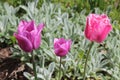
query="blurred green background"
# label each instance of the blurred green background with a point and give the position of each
(112, 6)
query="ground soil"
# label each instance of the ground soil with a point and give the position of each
(11, 68)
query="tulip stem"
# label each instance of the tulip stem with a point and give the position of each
(87, 53)
(34, 65)
(60, 68)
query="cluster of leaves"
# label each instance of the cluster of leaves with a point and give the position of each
(8, 21)
(104, 61)
(112, 6)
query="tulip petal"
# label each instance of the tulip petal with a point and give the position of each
(30, 26)
(21, 26)
(24, 43)
(56, 43)
(55, 40)
(59, 42)
(37, 41)
(40, 27)
(37, 38)
(62, 40)
(60, 51)
(29, 35)
(104, 34)
(68, 44)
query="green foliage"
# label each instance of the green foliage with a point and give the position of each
(8, 21)
(104, 61)
(15, 3)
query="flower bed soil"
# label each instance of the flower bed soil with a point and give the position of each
(10, 68)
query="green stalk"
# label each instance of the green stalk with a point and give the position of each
(60, 68)
(34, 65)
(88, 52)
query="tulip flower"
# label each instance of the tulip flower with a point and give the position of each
(97, 27)
(61, 46)
(28, 35)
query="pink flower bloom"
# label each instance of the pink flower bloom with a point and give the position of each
(61, 46)
(28, 35)
(97, 27)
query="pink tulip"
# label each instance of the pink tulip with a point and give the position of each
(28, 35)
(97, 27)
(61, 46)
